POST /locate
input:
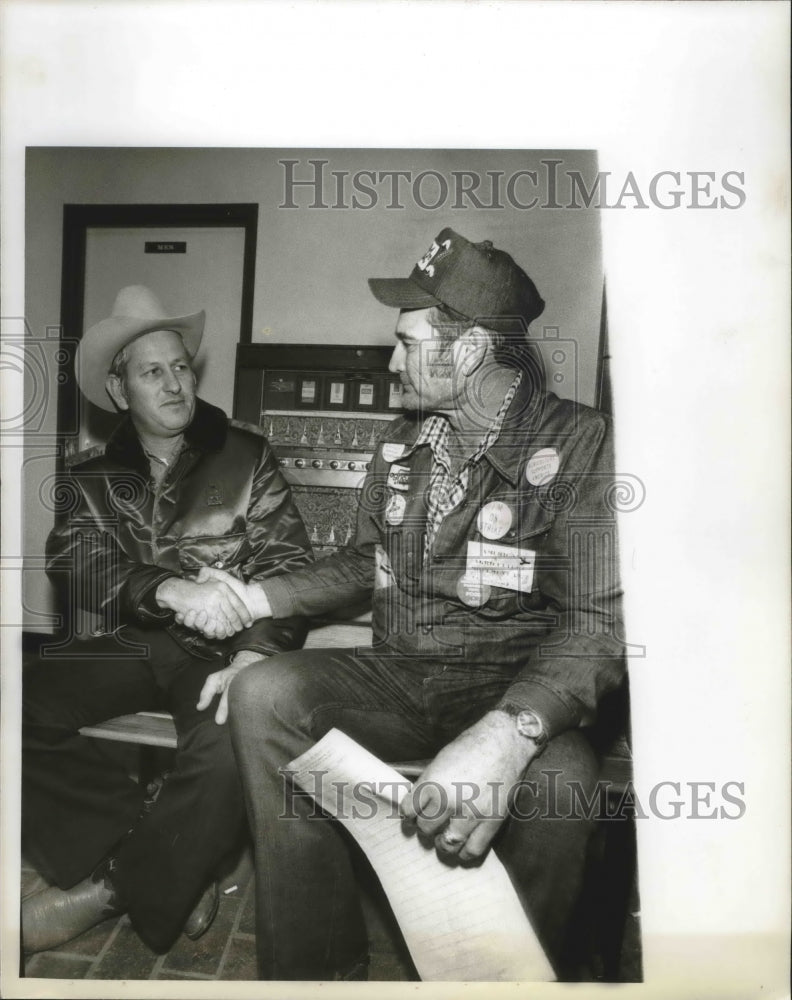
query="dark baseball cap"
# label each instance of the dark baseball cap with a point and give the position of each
(473, 279)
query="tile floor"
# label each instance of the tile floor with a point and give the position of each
(112, 950)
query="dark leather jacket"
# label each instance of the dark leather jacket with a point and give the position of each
(224, 503)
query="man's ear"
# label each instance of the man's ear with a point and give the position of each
(472, 349)
(115, 388)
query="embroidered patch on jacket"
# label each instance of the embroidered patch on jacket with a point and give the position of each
(399, 477)
(214, 498)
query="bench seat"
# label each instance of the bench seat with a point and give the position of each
(148, 729)
(156, 729)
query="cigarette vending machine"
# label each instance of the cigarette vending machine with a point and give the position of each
(323, 410)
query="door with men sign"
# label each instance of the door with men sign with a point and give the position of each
(192, 257)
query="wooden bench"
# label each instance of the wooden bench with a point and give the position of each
(150, 729)
(156, 729)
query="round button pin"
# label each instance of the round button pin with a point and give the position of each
(471, 591)
(542, 466)
(394, 512)
(494, 519)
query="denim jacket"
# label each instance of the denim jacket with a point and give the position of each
(521, 578)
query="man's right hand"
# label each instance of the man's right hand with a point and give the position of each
(251, 595)
(212, 601)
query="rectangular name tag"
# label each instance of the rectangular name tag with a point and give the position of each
(502, 565)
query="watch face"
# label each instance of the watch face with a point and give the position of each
(529, 725)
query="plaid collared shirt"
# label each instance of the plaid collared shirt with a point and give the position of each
(446, 491)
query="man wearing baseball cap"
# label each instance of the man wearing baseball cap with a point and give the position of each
(487, 543)
(177, 487)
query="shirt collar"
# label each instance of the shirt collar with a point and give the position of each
(435, 429)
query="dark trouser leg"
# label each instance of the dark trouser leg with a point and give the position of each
(198, 818)
(543, 845)
(308, 919)
(76, 802)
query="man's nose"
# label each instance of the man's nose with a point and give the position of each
(396, 363)
(172, 383)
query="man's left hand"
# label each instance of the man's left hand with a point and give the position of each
(462, 797)
(217, 683)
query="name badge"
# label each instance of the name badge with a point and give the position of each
(399, 478)
(501, 565)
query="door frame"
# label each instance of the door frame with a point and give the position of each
(78, 219)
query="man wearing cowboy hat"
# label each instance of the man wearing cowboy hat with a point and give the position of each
(483, 512)
(178, 486)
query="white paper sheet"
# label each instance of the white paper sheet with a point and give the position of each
(460, 923)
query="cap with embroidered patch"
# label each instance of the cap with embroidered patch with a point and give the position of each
(473, 279)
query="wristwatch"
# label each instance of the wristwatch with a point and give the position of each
(528, 724)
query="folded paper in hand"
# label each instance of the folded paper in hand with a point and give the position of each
(460, 923)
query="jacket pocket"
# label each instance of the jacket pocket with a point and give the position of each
(220, 551)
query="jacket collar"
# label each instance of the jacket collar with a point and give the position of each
(207, 432)
(522, 420)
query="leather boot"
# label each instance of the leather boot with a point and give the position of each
(54, 916)
(200, 920)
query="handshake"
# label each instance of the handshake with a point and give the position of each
(214, 603)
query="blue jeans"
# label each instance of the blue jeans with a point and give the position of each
(309, 923)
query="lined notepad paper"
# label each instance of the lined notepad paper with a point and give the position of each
(460, 923)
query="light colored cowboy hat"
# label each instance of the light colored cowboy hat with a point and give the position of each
(137, 310)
